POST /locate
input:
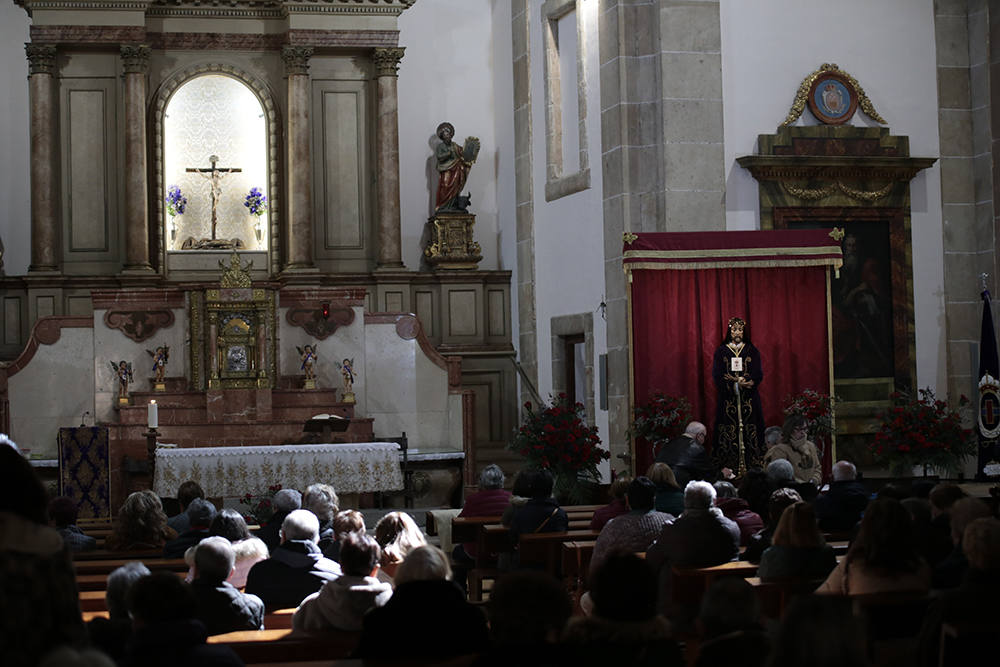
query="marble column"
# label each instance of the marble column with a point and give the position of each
(44, 190)
(299, 163)
(387, 158)
(135, 65)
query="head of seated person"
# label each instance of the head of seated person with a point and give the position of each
(527, 608)
(661, 475)
(231, 525)
(286, 500)
(161, 597)
(359, 555)
(730, 605)
(426, 563)
(641, 494)
(321, 500)
(300, 526)
(187, 492)
(200, 514)
(491, 478)
(981, 544)
(780, 472)
(214, 560)
(120, 582)
(698, 495)
(540, 483)
(348, 521)
(624, 588)
(398, 534)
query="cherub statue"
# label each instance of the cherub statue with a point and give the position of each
(160, 358)
(347, 370)
(309, 359)
(123, 371)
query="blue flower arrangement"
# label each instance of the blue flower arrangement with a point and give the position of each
(176, 202)
(256, 202)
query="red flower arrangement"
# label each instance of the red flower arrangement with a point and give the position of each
(557, 437)
(661, 419)
(922, 432)
(261, 509)
(816, 407)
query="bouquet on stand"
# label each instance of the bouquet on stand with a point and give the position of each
(558, 438)
(660, 420)
(922, 432)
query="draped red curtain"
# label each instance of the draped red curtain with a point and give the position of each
(679, 317)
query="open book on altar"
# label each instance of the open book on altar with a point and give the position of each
(334, 423)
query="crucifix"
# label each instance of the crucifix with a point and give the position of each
(214, 175)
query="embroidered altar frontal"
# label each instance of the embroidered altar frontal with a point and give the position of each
(236, 471)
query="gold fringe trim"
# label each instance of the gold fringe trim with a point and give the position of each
(731, 252)
(756, 264)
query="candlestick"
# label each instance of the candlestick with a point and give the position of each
(153, 415)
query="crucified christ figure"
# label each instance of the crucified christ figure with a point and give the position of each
(214, 175)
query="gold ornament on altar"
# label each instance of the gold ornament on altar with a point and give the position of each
(236, 274)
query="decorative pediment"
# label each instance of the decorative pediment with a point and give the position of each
(314, 322)
(138, 325)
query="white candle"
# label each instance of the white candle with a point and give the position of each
(153, 415)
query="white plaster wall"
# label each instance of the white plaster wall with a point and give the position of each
(407, 392)
(446, 75)
(769, 46)
(569, 232)
(53, 390)
(345, 343)
(111, 345)
(15, 210)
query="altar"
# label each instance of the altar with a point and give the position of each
(236, 471)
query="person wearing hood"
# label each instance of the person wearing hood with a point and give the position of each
(296, 569)
(341, 604)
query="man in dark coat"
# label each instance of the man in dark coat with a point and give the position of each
(687, 457)
(840, 507)
(296, 568)
(221, 606)
(284, 502)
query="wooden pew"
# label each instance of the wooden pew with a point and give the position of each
(99, 582)
(775, 596)
(544, 549)
(281, 646)
(279, 619)
(104, 554)
(106, 566)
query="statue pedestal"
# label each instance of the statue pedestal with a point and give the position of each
(309, 384)
(348, 397)
(159, 386)
(450, 245)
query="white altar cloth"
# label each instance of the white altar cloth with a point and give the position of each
(237, 471)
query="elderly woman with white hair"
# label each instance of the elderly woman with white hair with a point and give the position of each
(491, 500)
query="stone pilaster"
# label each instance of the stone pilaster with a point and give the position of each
(135, 65)
(387, 158)
(300, 231)
(44, 190)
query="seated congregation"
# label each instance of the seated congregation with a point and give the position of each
(763, 570)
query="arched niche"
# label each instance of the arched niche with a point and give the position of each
(215, 110)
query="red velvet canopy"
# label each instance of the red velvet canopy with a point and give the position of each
(684, 287)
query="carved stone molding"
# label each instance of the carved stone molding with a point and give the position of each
(46, 331)
(138, 325)
(387, 60)
(317, 326)
(296, 59)
(408, 327)
(135, 58)
(41, 59)
(87, 34)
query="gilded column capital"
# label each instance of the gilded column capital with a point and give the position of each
(387, 60)
(296, 59)
(135, 58)
(41, 59)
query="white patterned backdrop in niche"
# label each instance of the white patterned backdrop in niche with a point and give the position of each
(215, 115)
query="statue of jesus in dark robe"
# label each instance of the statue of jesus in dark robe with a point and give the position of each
(737, 372)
